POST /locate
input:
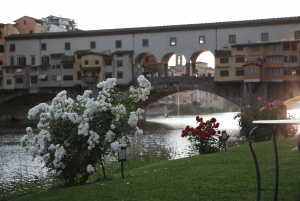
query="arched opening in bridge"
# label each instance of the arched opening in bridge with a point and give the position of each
(187, 102)
(173, 64)
(203, 63)
(147, 64)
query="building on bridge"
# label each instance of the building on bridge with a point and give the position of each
(147, 50)
(5, 30)
(275, 61)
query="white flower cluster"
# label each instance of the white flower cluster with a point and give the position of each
(81, 113)
(90, 168)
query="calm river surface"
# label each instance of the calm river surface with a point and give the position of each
(15, 162)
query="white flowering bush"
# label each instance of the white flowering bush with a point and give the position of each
(75, 135)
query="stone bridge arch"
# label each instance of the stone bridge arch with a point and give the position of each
(164, 86)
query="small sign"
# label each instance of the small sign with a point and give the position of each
(122, 155)
(224, 135)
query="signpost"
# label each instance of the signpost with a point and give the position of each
(122, 158)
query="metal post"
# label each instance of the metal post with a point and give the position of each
(255, 163)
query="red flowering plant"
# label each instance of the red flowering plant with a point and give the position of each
(206, 137)
(265, 111)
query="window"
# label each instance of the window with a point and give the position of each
(118, 44)
(44, 79)
(34, 80)
(34, 69)
(67, 46)
(45, 60)
(294, 58)
(12, 47)
(119, 74)
(24, 22)
(224, 73)
(12, 61)
(44, 68)
(239, 48)
(223, 60)
(145, 43)
(297, 34)
(108, 75)
(1, 62)
(56, 58)
(68, 77)
(274, 59)
(57, 66)
(289, 72)
(9, 70)
(54, 78)
(239, 72)
(9, 82)
(286, 58)
(108, 62)
(53, 66)
(96, 62)
(231, 38)
(172, 41)
(255, 49)
(286, 46)
(32, 60)
(93, 45)
(0, 34)
(274, 71)
(19, 80)
(67, 66)
(201, 39)
(22, 60)
(119, 63)
(44, 46)
(119, 55)
(250, 58)
(294, 46)
(78, 75)
(251, 70)
(239, 59)
(86, 62)
(274, 47)
(1, 48)
(264, 37)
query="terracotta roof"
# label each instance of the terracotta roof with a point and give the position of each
(184, 27)
(97, 53)
(82, 51)
(40, 21)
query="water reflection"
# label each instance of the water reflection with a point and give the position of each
(14, 161)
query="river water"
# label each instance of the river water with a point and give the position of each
(15, 163)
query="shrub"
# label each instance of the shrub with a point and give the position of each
(205, 137)
(75, 136)
(265, 111)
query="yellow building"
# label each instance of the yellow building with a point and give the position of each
(91, 64)
(5, 30)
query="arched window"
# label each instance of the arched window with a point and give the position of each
(0, 34)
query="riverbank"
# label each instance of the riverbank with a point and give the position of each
(221, 176)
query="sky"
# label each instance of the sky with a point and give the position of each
(109, 14)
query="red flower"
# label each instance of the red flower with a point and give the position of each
(219, 132)
(183, 133)
(199, 119)
(213, 120)
(216, 125)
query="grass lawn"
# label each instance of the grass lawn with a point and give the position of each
(221, 176)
